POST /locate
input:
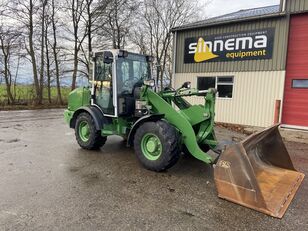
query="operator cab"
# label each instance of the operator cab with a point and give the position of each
(117, 78)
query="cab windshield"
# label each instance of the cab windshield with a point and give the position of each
(131, 72)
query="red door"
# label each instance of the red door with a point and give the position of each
(295, 104)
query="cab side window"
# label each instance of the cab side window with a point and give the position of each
(103, 70)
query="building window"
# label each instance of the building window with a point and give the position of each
(204, 83)
(300, 83)
(223, 84)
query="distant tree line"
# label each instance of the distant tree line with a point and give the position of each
(56, 37)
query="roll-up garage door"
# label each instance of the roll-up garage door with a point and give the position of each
(295, 103)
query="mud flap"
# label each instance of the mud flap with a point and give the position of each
(258, 173)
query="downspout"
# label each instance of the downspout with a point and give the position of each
(288, 19)
(283, 5)
(174, 59)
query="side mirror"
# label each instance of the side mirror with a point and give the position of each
(150, 82)
(186, 85)
(108, 59)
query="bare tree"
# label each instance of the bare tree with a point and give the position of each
(47, 53)
(90, 19)
(9, 41)
(42, 36)
(77, 9)
(153, 33)
(25, 13)
(55, 49)
(88, 26)
(116, 20)
(91, 25)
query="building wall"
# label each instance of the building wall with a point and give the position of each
(254, 95)
(295, 6)
(276, 63)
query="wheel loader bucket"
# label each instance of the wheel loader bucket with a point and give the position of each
(258, 173)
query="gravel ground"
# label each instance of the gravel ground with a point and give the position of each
(48, 183)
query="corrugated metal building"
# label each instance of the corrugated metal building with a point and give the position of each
(256, 58)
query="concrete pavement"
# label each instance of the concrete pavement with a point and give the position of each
(48, 183)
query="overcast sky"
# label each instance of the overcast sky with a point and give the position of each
(219, 7)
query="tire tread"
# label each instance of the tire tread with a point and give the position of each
(170, 140)
(96, 140)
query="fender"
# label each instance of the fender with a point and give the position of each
(97, 115)
(153, 117)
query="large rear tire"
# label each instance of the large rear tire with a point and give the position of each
(87, 136)
(157, 145)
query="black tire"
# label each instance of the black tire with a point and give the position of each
(169, 139)
(95, 140)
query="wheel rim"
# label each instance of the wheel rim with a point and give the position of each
(151, 146)
(84, 131)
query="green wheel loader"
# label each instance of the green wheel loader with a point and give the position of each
(257, 172)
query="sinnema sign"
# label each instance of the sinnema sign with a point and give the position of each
(237, 46)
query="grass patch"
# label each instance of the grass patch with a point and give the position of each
(25, 95)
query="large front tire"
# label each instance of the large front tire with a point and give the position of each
(157, 145)
(86, 134)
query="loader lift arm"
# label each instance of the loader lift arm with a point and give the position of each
(187, 118)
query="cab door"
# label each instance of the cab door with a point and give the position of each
(104, 83)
